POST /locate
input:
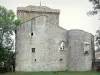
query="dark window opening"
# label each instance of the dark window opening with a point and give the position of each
(87, 45)
(33, 50)
(63, 47)
(61, 59)
(60, 48)
(35, 59)
(86, 52)
(31, 34)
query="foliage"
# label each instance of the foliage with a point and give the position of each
(8, 24)
(97, 38)
(7, 19)
(98, 49)
(96, 10)
(96, 4)
(96, 7)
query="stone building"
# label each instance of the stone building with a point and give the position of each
(42, 45)
(28, 12)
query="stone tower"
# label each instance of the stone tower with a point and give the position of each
(42, 45)
(80, 50)
(28, 12)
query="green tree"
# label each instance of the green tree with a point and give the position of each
(8, 24)
(96, 7)
(96, 10)
(7, 58)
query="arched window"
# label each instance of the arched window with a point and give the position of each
(62, 45)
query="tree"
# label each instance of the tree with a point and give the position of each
(96, 10)
(8, 24)
(7, 58)
(96, 7)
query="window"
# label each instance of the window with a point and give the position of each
(86, 48)
(86, 52)
(31, 34)
(86, 45)
(35, 59)
(61, 59)
(33, 50)
(62, 45)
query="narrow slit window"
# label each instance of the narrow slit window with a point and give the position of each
(62, 46)
(33, 50)
(35, 59)
(31, 34)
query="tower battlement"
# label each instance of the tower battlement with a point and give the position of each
(28, 12)
(38, 9)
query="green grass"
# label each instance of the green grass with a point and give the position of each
(53, 73)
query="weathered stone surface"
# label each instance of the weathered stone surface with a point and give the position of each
(27, 13)
(97, 55)
(46, 41)
(78, 60)
(42, 45)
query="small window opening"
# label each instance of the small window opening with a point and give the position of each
(31, 34)
(86, 52)
(60, 48)
(62, 45)
(35, 59)
(33, 50)
(61, 59)
(87, 45)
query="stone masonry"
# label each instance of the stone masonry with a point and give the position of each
(28, 12)
(42, 45)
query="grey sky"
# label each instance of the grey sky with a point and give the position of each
(72, 16)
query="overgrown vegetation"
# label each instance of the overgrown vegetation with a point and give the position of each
(8, 24)
(96, 10)
(96, 7)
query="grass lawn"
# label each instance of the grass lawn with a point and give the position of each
(53, 73)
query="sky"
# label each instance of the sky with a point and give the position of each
(73, 13)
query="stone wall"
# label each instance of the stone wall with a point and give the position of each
(27, 13)
(43, 46)
(80, 50)
(45, 39)
(22, 48)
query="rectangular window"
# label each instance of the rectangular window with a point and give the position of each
(86, 48)
(61, 59)
(33, 50)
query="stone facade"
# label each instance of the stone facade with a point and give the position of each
(45, 46)
(46, 40)
(80, 50)
(28, 12)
